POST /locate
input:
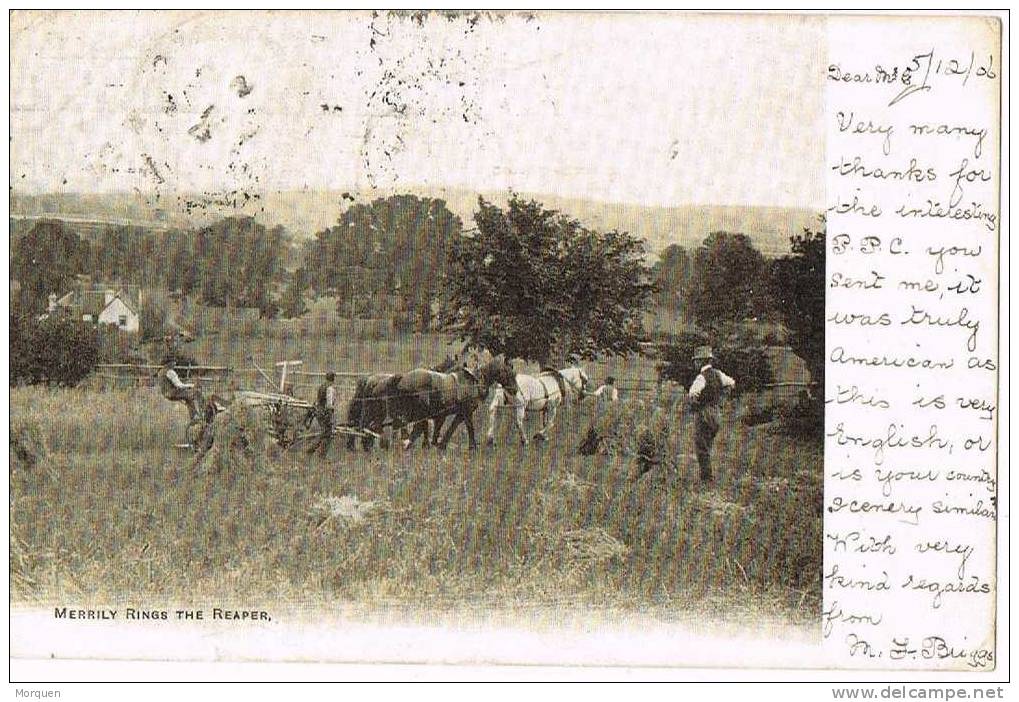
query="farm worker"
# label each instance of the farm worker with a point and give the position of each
(607, 392)
(173, 389)
(325, 403)
(705, 396)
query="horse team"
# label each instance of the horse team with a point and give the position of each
(454, 392)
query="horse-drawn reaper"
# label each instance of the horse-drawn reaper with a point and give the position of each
(287, 419)
(415, 400)
(284, 415)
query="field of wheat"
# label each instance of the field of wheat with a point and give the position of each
(108, 513)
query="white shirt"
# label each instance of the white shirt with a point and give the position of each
(172, 376)
(330, 397)
(607, 393)
(699, 383)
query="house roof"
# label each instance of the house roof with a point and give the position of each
(93, 302)
(128, 303)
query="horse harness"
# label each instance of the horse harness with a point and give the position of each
(559, 382)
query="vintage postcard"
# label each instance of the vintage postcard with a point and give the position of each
(617, 339)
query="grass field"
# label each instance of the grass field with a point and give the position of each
(109, 516)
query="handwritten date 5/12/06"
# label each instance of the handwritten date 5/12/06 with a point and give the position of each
(930, 648)
(919, 73)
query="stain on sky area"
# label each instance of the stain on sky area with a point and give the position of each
(202, 131)
(217, 201)
(241, 86)
(248, 136)
(153, 169)
(135, 122)
(413, 77)
(425, 82)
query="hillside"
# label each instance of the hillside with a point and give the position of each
(305, 212)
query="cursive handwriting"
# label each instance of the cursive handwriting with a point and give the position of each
(910, 502)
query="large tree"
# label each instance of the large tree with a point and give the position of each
(535, 284)
(239, 263)
(181, 267)
(292, 303)
(727, 282)
(798, 284)
(123, 253)
(673, 273)
(45, 261)
(394, 245)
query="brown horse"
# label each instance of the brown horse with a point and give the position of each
(370, 407)
(427, 394)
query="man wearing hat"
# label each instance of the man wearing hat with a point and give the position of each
(173, 389)
(325, 403)
(705, 397)
(607, 392)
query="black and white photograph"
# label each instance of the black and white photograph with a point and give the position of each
(437, 321)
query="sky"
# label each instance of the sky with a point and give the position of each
(657, 109)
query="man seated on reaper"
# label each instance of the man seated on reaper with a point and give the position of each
(175, 390)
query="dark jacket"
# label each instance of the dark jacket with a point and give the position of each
(712, 392)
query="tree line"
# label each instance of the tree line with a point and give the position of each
(235, 261)
(727, 280)
(381, 258)
(525, 280)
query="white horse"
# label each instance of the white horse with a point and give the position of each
(542, 393)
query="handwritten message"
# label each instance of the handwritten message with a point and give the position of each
(911, 341)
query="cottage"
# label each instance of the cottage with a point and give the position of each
(104, 305)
